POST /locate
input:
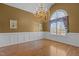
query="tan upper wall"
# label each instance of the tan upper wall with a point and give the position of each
(25, 20)
(73, 12)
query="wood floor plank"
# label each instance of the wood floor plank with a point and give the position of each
(42, 47)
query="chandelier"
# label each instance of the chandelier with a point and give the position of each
(41, 13)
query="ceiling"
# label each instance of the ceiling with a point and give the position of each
(30, 7)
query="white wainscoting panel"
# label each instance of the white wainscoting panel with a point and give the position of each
(13, 38)
(18, 37)
(27, 36)
(4, 39)
(35, 36)
(70, 38)
(32, 36)
(21, 37)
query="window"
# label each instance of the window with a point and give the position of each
(58, 22)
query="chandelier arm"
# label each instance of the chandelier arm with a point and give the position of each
(41, 13)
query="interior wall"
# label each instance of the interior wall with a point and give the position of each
(25, 20)
(73, 12)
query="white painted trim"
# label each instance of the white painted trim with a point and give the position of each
(70, 38)
(7, 39)
(18, 37)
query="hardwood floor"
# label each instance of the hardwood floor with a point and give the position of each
(43, 47)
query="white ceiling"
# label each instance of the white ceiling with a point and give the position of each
(30, 7)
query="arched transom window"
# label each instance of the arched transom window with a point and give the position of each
(59, 22)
